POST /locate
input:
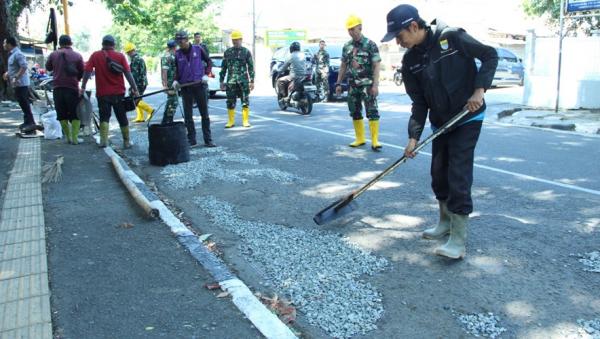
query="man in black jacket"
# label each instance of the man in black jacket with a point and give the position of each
(441, 78)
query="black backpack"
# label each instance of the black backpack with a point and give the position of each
(70, 68)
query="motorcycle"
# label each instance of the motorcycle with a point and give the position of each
(301, 97)
(398, 75)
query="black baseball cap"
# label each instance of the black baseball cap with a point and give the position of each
(65, 40)
(181, 35)
(398, 19)
(108, 40)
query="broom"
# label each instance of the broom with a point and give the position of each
(52, 172)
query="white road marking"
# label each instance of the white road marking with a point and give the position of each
(493, 169)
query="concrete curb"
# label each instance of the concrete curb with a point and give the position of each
(265, 321)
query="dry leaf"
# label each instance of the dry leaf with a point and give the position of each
(223, 295)
(213, 286)
(126, 225)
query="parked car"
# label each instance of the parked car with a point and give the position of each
(510, 70)
(213, 82)
(335, 60)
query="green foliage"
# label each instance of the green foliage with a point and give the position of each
(81, 41)
(541, 7)
(149, 24)
(573, 26)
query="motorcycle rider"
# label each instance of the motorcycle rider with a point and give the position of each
(296, 62)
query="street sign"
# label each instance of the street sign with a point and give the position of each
(582, 5)
(285, 37)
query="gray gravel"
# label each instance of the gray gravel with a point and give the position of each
(275, 153)
(215, 163)
(591, 261)
(591, 328)
(481, 324)
(321, 273)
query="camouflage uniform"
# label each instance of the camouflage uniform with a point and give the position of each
(239, 67)
(138, 71)
(167, 63)
(359, 58)
(322, 69)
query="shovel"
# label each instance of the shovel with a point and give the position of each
(347, 204)
(130, 102)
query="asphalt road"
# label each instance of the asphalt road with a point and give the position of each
(536, 195)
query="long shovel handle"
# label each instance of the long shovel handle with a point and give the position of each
(166, 89)
(403, 159)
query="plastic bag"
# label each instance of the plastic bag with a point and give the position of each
(52, 129)
(84, 110)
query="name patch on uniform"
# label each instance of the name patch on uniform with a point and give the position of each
(444, 44)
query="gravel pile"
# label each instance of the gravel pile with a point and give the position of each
(591, 261)
(319, 272)
(211, 165)
(275, 153)
(482, 324)
(590, 327)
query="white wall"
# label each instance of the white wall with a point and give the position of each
(580, 74)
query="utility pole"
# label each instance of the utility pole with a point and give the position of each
(65, 8)
(254, 31)
(560, 44)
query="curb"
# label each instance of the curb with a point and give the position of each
(263, 319)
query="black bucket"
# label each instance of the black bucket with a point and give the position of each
(168, 144)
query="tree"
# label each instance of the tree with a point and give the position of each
(551, 9)
(81, 40)
(149, 24)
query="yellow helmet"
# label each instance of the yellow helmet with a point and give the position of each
(353, 21)
(236, 35)
(128, 47)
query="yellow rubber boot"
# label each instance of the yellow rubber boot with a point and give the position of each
(374, 128)
(140, 114)
(145, 109)
(103, 134)
(359, 130)
(64, 124)
(245, 116)
(231, 118)
(75, 124)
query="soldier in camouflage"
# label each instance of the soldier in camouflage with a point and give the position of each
(168, 69)
(239, 68)
(138, 71)
(321, 61)
(360, 58)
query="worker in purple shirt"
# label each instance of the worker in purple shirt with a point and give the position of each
(66, 66)
(190, 69)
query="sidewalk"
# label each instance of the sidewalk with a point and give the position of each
(112, 271)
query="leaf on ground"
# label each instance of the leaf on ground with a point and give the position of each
(223, 295)
(126, 225)
(283, 308)
(213, 286)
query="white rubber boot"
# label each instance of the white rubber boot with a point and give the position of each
(455, 247)
(443, 227)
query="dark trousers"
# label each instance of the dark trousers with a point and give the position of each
(452, 167)
(190, 95)
(65, 103)
(108, 103)
(22, 95)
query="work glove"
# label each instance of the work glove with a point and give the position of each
(175, 84)
(205, 79)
